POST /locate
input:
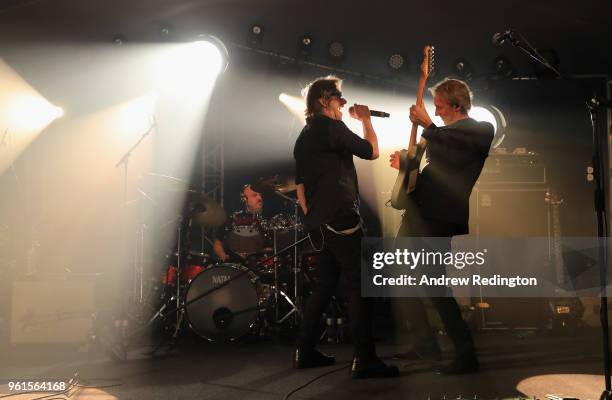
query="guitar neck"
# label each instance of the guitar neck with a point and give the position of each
(419, 102)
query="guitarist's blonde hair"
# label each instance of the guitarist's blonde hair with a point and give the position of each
(456, 92)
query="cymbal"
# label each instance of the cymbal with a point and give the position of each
(167, 182)
(206, 211)
(281, 184)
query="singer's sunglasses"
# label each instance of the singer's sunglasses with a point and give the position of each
(338, 94)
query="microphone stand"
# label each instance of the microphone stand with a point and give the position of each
(594, 107)
(526, 47)
(137, 288)
(594, 104)
(125, 159)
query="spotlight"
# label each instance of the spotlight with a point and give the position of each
(255, 37)
(494, 116)
(306, 41)
(193, 64)
(30, 113)
(396, 61)
(463, 69)
(119, 40)
(502, 68)
(58, 112)
(305, 47)
(336, 51)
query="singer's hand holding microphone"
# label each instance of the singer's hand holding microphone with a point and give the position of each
(361, 112)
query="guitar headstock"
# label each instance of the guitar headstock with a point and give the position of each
(427, 65)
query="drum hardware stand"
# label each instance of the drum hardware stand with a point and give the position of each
(178, 324)
(179, 310)
(296, 267)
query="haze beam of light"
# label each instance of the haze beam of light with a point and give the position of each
(295, 105)
(24, 114)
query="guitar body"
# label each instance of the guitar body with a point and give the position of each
(406, 178)
(410, 160)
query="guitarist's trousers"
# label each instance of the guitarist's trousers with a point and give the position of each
(414, 226)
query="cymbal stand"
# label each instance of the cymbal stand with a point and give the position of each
(296, 267)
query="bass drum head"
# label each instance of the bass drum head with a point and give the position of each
(226, 313)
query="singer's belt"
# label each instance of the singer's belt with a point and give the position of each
(345, 231)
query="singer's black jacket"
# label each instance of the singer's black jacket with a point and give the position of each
(456, 155)
(324, 164)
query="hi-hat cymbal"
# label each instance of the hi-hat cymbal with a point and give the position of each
(281, 184)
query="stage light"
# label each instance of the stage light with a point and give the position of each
(256, 33)
(502, 68)
(336, 51)
(494, 116)
(193, 64)
(27, 113)
(463, 69)
(396, 61)
(304, 47)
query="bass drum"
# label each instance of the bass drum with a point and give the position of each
(229, 312)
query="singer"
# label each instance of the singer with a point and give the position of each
(329, 197)
(454, 156)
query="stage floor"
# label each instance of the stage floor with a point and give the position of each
(513, 365)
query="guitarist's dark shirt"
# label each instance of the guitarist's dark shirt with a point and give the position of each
(456, 155)
(324, 164)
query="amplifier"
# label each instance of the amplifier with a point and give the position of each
(511, 211)
(518, 168)
(52, 311)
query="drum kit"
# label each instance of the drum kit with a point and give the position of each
(258, 292)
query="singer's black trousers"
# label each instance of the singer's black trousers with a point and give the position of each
(339, 261)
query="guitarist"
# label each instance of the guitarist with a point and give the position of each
(450, 165)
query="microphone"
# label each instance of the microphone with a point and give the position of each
(374, 113)
(500, 38)
(380, 114)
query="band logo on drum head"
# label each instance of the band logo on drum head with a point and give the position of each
(218, 280)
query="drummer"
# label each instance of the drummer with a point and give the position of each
(253, 204)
